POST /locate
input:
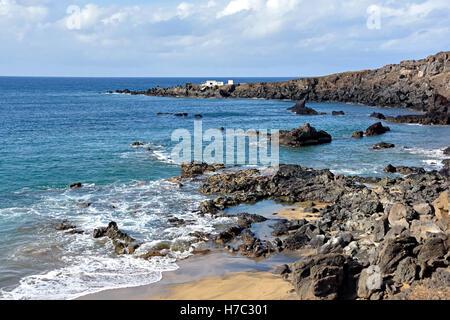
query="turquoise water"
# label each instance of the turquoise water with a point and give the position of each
(56, 131)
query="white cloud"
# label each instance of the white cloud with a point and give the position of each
(236, 6)
(10, 9)
(184, 10)
(222, 29)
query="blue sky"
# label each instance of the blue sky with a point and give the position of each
(229, 38)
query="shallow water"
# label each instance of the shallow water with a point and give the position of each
(56, 131)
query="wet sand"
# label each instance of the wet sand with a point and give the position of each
(217, 275)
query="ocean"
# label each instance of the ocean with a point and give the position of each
(57, 131)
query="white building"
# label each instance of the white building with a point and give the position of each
(213, 83)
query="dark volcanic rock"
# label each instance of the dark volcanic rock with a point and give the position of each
(403, 170)
(75, 185)
(358, 134)
(383, 145)
(280, 229)
(447, 151)
(228, 234)
(429, 118)
(65, 225)
(194, 168)
(123, 243)
(253, 247)
(301, 108)
(393, 251)
(376, 129)
(303, 136)
(337, 113)
(322, 277)
(378, 115)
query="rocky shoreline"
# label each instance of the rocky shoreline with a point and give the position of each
(377, 238)
(421, 85)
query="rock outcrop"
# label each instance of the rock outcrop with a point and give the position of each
(301, 108)
(376, 129)
(303, 136)
(123, 243)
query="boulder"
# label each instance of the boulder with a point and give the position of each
(303, 136)
(421, 229)
(423, 208)
(337, 113)
(400, 214)
(390, 169)
(301, 108)
(441, 210)
(319, 277)
(393, 251)
(447, 151)
(376, 129)
(381, 227)
(370, 281)
(433, 248)
(407, 271)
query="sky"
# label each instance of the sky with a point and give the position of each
(222, 38)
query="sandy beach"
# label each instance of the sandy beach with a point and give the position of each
(235, 286)
(215, 275)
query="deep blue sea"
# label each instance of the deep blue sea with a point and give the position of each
(57, 131)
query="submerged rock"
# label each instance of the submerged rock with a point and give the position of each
(378, 115)
(75, 185)
(447, 151)
(357, 134)
(337, 113)
(383, 145)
